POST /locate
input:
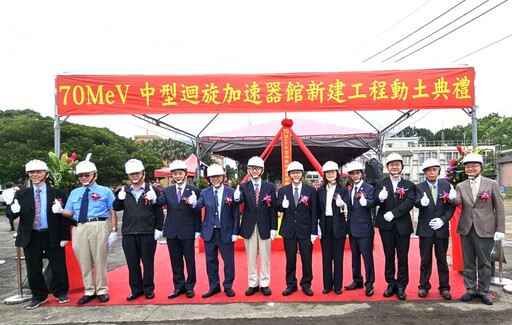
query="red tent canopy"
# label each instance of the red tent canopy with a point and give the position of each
(191, 163)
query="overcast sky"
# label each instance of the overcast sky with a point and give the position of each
(40, 39)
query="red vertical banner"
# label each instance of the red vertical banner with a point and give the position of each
(286, 153)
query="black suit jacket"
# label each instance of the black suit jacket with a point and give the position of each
(400, 207)
(264, 214)
(339, 224)
(300, 221)
(360, 223)
(182, 220)
(442, 210)
(58, 226)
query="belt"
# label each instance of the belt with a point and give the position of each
(95, 219)
(40, 230)
(216, 228)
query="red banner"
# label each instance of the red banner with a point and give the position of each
(286, 154)
(298, 92)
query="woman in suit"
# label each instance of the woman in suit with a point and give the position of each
(331, 198)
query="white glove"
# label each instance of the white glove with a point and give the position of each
(112, 239)
(436, 223)
(425, 200)
(236, 195)
(151, 195)
(388, 216)
(339, 202)
(15, 207)
(499, 236)
(196, 235)
(234, 238)
(285, 203)
(313, 238)
(319, 232)
(192, 199)
(453, 193)
(122, 194)
(383, 195)
(56, 207)
(273, 234)
(363, 200)
(158, 234)
(63, 243)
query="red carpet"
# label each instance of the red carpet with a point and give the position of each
(119, 289)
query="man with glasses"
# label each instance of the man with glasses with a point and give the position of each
(90, 206)
(482, 221)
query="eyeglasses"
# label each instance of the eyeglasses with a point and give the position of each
(467, 166)
(85, 175)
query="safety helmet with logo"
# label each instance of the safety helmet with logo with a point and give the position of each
(178, 165)
(394, 157)
(214, 170)
(295, 165)
(85, 167)
(330, 165)
(133, 166)
(353, 166)
(256, 162)
(36, 165)
(473, 157)
(430, 162)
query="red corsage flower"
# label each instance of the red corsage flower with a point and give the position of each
(360, 194)
(95, 196)
(146, 201)
(400, 191)
(268, 200)
(485, 196)
(58, 200)
(228, 200)
(446, 197)
(304, 200)
(185, 199)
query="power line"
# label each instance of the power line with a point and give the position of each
(482, 48)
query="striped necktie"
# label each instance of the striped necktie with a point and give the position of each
(37, 217)
(256, 193)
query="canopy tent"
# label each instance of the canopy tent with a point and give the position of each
(191, 163)
(325, 141)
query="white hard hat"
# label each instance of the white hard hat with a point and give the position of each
(256, 161)
(394, 157)
(85, 167)
(295, 165)
(330, 165)
(133, 166)
(36, 165)
(178, 164)
(354, 165)
(430, 162)
(473, 157)
(214, 170)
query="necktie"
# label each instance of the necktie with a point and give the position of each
(355, 194)
(296, 195)
(256, 193)
(433, 191)
(474, 190)
(216, 210)
(84, 206)
(37, 217)
(179, 194)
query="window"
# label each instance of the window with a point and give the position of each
(421, 177)
(421, 157)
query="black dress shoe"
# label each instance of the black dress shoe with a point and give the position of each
(308, 292)
(251, 290)
(289, 290)
(266, 291)
(133, 296)
(401, 294)
(149, 295)
(326, 291)
(369, 292)
(354, 286)
(103, 298)
(389, 291)
(190, 293)
(176, 293)
(85, 299)
(468, 296)
(229, 292)
(211, 292)
(486, 299)
(338, 292)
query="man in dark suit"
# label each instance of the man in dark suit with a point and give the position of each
(360, 228)
(258, 226)
(395, 201)
(219, 230)
(482, 221)
(182, 227)
(299, 228)
(435, 211)
(42, 232)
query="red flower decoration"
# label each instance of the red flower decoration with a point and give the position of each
(184, 198)
(287, 122)
(446, 197)
(71, 158)
(147, 201)
(268, 200)
(485, 196)
(400, 191)
(360, 194)
(228, 200)
(58, 201)
(95, 196)
(304, 200)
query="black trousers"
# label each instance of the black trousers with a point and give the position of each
(35, 251)
(440, 246)
(397, 246)
(306, 254)
(140, 248)
(362, 246)
(332, 257)
(179, 250)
